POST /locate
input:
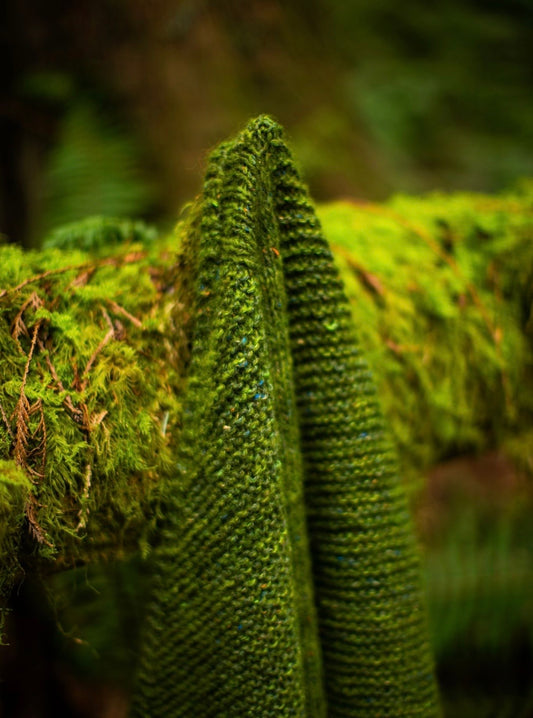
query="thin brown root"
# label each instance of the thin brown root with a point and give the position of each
(83, 513)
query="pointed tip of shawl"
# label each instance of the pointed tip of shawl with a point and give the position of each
(265, 126)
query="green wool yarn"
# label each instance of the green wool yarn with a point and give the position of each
(287, 581)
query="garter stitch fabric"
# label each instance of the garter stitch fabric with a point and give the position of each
(287, 580)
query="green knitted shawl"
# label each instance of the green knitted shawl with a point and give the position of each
(287, 580)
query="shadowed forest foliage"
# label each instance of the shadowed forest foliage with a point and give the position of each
(110, 107)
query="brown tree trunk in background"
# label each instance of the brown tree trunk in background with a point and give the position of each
(181, 75)
(27, 126)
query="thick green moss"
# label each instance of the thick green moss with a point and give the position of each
(440, 289)
(90, 386)
(99, 233)
(91, 372)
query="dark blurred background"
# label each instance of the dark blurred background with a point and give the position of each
(109, 107)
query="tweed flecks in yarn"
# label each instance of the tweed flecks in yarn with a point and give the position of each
(287, 579)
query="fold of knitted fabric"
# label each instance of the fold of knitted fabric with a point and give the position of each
(287, 581)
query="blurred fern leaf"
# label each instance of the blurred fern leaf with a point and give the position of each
(94, 169)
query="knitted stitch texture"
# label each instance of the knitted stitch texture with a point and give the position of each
(287, 580)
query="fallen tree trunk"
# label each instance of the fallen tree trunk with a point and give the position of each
(94, 348)
(92, 359)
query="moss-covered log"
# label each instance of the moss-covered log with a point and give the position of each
(93, 346)
(441, 289)
(91, 359)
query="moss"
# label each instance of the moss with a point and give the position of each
(439, 290)
(93, 345)
(99, 234)
(90, 384)
(15, 489)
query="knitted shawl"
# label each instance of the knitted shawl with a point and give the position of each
(287, 579)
